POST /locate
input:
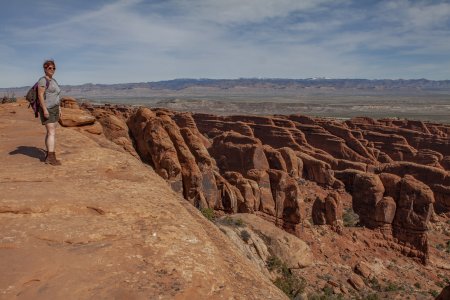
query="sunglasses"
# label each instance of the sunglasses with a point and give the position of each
(50, 68)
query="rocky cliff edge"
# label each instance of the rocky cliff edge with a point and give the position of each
(103, 225)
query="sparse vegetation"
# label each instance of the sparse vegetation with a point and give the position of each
(434, 293)
(325, 277)
(350, 218)
(374, 284)
(286, 281)
(8, 98)
(440, 247)
(391, 287)
(239, 222)
(208, 213)
(232, 222)
(371, 297)
(417, 285)
(327, 294)
(245, 236)
(448, 247)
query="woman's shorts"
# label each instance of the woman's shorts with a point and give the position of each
(52, 118)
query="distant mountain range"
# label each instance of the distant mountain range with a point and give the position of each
(249, 85)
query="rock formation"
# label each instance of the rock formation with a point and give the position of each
(255, 164)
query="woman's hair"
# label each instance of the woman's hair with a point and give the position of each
(49, 62)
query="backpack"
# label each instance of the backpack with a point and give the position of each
(33, 99)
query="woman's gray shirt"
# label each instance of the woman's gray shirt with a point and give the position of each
(51, 93)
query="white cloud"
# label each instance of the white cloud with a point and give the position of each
(128, 41)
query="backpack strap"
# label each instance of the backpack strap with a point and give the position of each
(36, 105)
(47, 82)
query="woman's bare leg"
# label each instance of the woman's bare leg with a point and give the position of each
(50, 137)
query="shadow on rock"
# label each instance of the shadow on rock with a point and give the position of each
(30, 151)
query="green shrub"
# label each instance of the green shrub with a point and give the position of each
(417, 285)
(208, 213)
(371, 297)
(440, 247)
(245, 236)
(350, 218)
(239, 223)
(274, 263)
(325, 295)
(392, 287)
(434, 293)
(374, 284)
(232, 222)
(8, 99)
(286, 281)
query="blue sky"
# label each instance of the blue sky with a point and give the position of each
(121, 41)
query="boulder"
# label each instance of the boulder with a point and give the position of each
(72, 117)
(69, 102)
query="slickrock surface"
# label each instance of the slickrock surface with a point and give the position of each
(105, 226)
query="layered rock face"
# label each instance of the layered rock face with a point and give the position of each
(397, 172)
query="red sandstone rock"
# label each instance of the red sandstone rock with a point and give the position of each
(385, 211)
(328, 211)
(445, 163)
(275, 136)
(363, 269)
(229, 195)
(445, 294)
(391, 184)
(316, 170)
(294, 165)
(261, 177)
(356, 282)
(285, 192)
(185, 120)
(414, 209)
(236, 152)
(71, 117)
(275, 159)
(115, 129)
(249, 202)
(348, 177)
(191, 174)
(155, 146)
(69, 102)
(95, 128)
(368, 190)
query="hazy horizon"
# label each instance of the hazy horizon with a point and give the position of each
(241, 78)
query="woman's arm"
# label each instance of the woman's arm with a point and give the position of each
(41, 92)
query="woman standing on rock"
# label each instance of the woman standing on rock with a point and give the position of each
(49, 111)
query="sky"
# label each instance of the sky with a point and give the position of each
(122, 41)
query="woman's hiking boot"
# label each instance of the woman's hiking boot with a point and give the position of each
(51, 159)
